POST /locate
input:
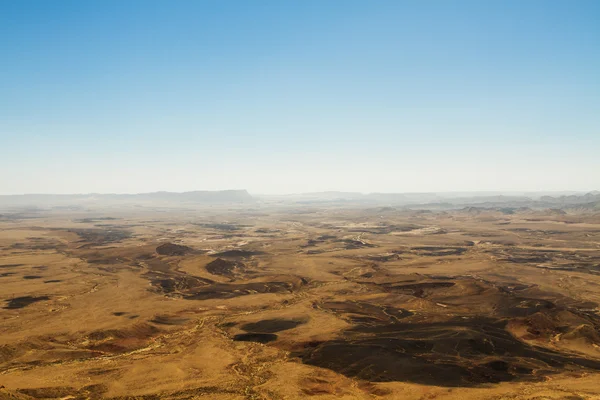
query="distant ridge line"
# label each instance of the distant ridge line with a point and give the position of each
(198, 196)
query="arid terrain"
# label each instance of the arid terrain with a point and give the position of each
(258, 301)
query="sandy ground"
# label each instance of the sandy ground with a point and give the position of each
(282, 304)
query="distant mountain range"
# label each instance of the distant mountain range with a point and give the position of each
(560, 200)
(195, 197)
(444, 200)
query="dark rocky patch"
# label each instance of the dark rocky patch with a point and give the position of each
(390, 344)
(255, 337)
(272, 325)
(172, 249)
(32, 277)
(266, 230)
(101, 236)
(119, 313)
(528, 259)
(11, 265)
(189, 287)
(311, 243)
(101, 371)
(382, 257)
(24, 301)
(550, 259)
(434, 251)
(3, 274)
(238, 253)
(419, 289)
(230, 290)
(223, 267)
(38, 245)
(351, 244)
(59, 392)
(581, 267)
(53, 281)
(137, 331)
(167, 281)
(451, 353)
(177, 282)
(105, 259)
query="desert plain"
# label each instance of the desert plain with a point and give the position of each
(310, 301)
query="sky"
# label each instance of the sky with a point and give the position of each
(290, 96)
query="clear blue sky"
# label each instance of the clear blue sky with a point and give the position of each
(289, 96)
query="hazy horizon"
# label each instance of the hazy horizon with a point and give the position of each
(441, 193)
(285, 97)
